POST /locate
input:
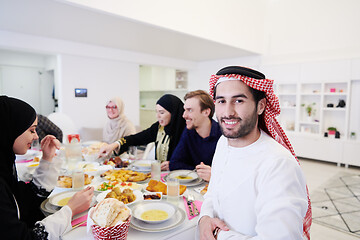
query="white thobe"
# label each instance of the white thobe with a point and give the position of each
(259, 191)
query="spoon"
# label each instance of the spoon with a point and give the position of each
(183, 176)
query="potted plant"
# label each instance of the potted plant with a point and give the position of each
(331, 130)
(310, 110)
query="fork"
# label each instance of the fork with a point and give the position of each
(191, 200)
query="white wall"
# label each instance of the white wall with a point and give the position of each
(104, 71)
(104, 79)
(22, 76)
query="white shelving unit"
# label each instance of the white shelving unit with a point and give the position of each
(306, 133)
(154, 83)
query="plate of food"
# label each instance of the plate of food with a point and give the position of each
(109, 185)
(125, 175)
(66, 181)
(127, 196)
(142, 165)
(154, 212)
(117, 162)
(184, 176)
(158, 186)
(154, 196)
(175, 221)
(191, 183)
(61, 199)
(30, 155)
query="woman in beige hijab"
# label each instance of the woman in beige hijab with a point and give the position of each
(118, 125)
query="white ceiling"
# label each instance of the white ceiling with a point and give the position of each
(53, 19)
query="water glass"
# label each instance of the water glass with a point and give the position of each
(173, 190)
(78, 180)
(35, 145)
(132, 151)
(155, 170)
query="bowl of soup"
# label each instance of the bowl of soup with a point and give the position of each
(154, 212)
(61, 199)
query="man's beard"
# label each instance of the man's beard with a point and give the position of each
(246, 126)
(192, 126)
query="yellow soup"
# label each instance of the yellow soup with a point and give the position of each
(182, 178)
(154, 215)
(64, 201)
(144, 165)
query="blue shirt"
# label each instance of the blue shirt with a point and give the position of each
(192, 149)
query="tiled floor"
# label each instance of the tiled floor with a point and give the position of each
(317, 173)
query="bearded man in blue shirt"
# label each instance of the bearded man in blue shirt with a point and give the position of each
(198, 140)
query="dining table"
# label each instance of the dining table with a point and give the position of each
(186, 230)
(185, 227)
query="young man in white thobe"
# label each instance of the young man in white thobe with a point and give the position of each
(257, 189)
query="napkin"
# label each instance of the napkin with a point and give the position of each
(162, 176)
(197, 204)
(79, 220)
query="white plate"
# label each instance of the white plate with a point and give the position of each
(89, 143)
(90, 168)
(134, 186)
(191, 174)
(54, 200)
(30, 154)
(143, 165)
(147, 206)
(196, 182)
(176, 220)
(147, 191)
(137, 193)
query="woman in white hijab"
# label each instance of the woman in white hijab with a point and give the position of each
(118, 125)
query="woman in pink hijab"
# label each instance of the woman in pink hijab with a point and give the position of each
(118, 125)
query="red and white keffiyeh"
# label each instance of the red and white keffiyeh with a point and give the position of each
(272, 110)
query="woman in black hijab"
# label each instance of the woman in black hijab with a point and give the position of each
(165, 132)
(20, 215)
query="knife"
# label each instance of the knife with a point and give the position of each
(189, 206)
(191, 200)
(195, 209)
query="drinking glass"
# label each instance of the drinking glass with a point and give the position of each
(78, 180)
(132, 151)
(173, 189)
(155, 170)
(35, 145)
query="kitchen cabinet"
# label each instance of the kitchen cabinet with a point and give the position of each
(155, 82)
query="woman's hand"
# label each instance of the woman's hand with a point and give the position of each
(165, 166)
(81, 200)
(107, 149)
(204, 171)
(49, 144)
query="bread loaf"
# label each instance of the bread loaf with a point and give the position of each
(108, 210)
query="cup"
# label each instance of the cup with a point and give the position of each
(132, 151)
(78, 180)
(155, 170)
(173, 190)
(35, 145)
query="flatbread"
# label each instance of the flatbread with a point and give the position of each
(106, 211)
(121, 217)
